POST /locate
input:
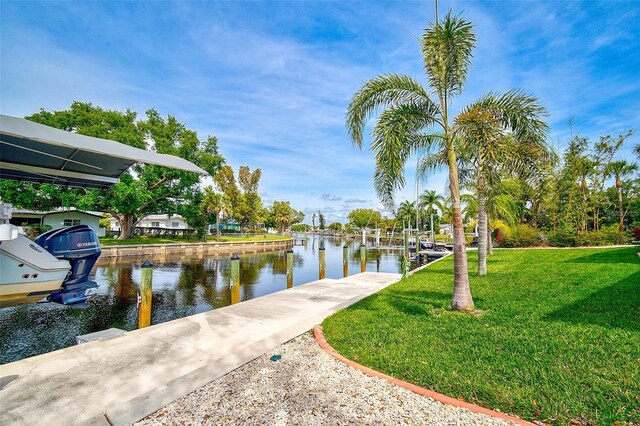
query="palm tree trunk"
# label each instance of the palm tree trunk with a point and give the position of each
(462, 300)
(217, 226)
(482, 228)
(621, 210)
(489, 239)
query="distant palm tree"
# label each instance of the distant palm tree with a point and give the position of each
(621, 169)
(406, 212)
(214, 203)
(430, 201)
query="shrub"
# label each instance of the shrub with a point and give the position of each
(601, 237)
(523, 235)
(636, 232)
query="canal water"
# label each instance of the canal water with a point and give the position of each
(182, 286)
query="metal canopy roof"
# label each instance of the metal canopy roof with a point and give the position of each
(34, 152)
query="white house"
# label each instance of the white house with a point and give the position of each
(57, 218)
(155, 221)
(446, 229)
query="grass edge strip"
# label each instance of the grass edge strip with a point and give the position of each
(441, 398)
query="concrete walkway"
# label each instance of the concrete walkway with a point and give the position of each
(122, 380)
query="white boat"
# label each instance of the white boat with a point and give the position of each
(28, 273)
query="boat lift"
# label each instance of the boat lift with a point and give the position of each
(58, 263)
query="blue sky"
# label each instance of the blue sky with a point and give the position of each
(272, 80)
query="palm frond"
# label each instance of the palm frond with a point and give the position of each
(396, 137)
(389, 90)
(447, 50)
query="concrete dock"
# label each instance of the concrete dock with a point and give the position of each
(121, 380)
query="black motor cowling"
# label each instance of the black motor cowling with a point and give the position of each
(79, 245)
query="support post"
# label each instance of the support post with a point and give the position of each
(378, 261)
(235, 279)
(290, 268)
(322, 270)
(345, 260)
(146, 285)
(364, 236)
(406, 243)
(363, 258)
(378, 237)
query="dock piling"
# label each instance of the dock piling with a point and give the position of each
(290, 268)
(322, 273)
(363, 258)
(146, 286)
(345, 260)
(235, 279)
(406, 243)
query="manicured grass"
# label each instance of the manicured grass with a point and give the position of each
(556, 337)
(107, 241)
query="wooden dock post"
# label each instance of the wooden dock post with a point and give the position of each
(377, 260)
(144, 301)
(345, 260)
(406, 243)
(289, 268)
(235, 279)
(322, 273)
(363, 258)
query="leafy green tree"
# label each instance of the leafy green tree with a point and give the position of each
(284, 216)
(361, 218)
(322, 224)
(301, 227)
(335, 227)
(245, 205)
(146, 188)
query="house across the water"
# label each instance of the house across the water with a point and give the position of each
(57, 218)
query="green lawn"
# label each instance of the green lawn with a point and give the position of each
(107, 241)
(556, 336)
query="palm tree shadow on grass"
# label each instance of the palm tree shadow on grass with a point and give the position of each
(616, 306)
(420, 302)
(623, 255)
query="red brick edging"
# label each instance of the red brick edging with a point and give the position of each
(444, 399)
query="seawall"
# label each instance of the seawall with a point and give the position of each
(195, 248)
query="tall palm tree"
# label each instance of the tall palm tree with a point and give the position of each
(491, 140)
(621, 169)
(410, 110)
(416, 119)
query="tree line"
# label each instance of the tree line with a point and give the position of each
(150, 189)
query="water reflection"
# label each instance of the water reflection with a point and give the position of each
(182, 286)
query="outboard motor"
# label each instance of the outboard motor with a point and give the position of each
(79, 245)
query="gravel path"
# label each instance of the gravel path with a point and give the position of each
(307, 387)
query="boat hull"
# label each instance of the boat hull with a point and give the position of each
(28, 273)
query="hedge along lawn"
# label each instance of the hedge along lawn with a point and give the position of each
(556, 337)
